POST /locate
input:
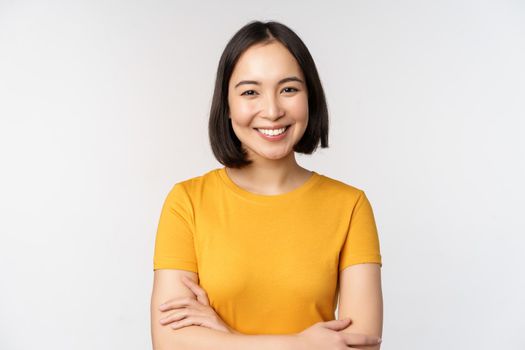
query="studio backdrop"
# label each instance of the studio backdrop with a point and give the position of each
(104, 107)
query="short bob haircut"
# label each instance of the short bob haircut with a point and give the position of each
(226, 147)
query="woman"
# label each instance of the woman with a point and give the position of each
(252, 255)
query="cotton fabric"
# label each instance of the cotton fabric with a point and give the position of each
(269, 263)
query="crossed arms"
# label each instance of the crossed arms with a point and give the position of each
(360, 298)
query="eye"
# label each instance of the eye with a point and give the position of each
(249, 92)
(245, 93)
(291, 88)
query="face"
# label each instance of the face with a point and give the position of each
(267, 90)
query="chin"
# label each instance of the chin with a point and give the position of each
(274, 157)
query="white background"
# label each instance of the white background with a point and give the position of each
(104, 106)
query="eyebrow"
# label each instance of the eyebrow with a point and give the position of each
(285, 80)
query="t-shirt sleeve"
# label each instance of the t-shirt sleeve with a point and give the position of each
(362, 241)
(174, 243)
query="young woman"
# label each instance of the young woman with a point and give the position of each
(253, 255)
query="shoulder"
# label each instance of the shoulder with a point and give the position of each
(339, 189)
(192, 188)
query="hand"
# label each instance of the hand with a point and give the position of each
(193, 311)
(327, 335)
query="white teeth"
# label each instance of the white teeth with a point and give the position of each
(272, 132)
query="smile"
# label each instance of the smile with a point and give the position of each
(273, 135)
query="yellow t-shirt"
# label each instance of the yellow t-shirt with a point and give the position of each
(269, 263)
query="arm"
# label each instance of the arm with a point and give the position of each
(168, 285)
(361, 299)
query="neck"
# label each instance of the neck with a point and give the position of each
(268, 176)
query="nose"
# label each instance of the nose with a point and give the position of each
(272, 108)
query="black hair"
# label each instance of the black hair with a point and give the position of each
(226, 147)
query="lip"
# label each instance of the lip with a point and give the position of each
(274, 138)
(273, 127)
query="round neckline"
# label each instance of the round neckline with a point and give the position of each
(268, 198)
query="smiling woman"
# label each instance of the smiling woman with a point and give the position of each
(267, 245)
(277, 108)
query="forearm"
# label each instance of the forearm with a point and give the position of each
(202, 338)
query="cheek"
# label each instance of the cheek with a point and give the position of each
(299, 109)
(242, 119)
(242, 113)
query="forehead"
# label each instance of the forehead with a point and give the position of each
(268, 62)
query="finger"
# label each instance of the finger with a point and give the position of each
(201, 311)
(359, 339)
(197, 290)
(190, 321)
(176, 316)
(183, 313)
(201, 294)
(336, 325)
(178, 303)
